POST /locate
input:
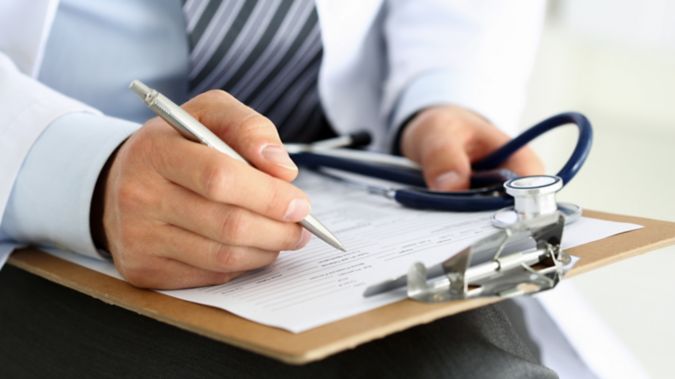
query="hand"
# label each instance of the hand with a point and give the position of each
(179, 214)
(446, 140)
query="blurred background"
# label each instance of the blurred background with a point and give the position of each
(615, 62)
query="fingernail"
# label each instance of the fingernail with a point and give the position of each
(445, 181)
(297, 210)
(304, 239)
(278, 155)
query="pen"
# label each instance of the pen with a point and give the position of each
(193, 130)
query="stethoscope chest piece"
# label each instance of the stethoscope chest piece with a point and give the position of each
(523, 256)
(534, 196)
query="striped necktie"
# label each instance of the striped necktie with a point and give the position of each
(265, 53)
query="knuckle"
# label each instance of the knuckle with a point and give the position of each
(254, 128)
(130, 196)
(225, 258)
(203, 104)
(216, 95)
(136, 273)
(255, 121)
(214, 179)
(293, 235)
(276, 201)
(234, 225)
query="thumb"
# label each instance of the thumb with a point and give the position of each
(446, 166)
(444, 160)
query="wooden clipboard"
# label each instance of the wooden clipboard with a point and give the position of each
(325, 340)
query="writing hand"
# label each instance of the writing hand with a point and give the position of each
(179, 214)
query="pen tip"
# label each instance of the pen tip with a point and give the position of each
(316, 228)
(333, 241)
(336, 244)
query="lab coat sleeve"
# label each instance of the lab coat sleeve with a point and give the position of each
(477, 54)
(27, 108)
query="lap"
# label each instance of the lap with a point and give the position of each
(49, 330)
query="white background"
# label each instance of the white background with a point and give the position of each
(615, 62)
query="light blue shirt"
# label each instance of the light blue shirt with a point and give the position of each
(95, 49)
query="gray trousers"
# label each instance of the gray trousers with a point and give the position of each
(47, 330)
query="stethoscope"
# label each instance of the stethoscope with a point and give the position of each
(492, 188)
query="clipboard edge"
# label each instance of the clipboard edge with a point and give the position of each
(306, 354)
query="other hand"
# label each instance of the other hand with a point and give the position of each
(446, 140)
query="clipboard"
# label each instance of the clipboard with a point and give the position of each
(332, 338)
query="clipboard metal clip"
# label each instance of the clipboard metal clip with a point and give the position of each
(521, 257)
(506, 274)
(525, 257)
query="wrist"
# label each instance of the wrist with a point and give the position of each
(97, 211)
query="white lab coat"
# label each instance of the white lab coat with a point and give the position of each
(476, 53)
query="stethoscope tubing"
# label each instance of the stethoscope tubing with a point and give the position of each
(576, 159)
(316, 160)
(462, 201)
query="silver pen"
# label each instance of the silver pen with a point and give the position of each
(193, 130)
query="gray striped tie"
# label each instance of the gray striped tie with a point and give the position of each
(265, 53)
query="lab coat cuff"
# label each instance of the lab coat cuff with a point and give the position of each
(51, 199)
(6, 249)
(433, 88)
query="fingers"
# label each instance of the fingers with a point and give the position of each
(221, 179)
(252, 135)
(167, 274)
(164, 256)
(228, 225)
(194, 250)
(446, 140)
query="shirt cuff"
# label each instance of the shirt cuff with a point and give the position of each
(51, 199)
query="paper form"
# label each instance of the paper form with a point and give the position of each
(318, 284)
